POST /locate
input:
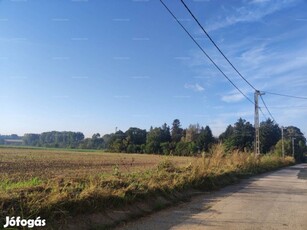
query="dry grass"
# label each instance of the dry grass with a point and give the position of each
(120, 185)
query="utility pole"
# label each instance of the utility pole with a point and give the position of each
(257, 134)
(282, 142)
(293, 146)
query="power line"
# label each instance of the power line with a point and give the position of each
(267, 108)
(262, 113)
(287, 106)
(285, 95)
(221, 52)
(205, 52)
(217, 45)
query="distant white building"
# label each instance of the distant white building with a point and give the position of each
(13, 142)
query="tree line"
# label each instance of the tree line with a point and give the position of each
(176, 140)
(54, 139)
(242, 136)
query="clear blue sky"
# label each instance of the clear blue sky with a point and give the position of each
(93, 65)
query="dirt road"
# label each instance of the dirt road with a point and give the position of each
(275, 200)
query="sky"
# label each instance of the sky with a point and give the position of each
(94, 65)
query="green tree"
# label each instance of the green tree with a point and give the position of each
(185, 148)
(299, 141)
(192, 133)
(165, 148)
(176, 131)
(153, 141)
(60, 139)
(117, 142)
(136, 136)
(227, 134)
(205, 139)
(165, 135)
(242, 137)
(31, 139)
(86, 144)
(157, 136)
(182, 149)
(287, 148)
(107, 138)
(270, 134)
(97, 142)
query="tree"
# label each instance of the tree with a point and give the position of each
(54, 139)
(185, 148)
(227, 134)
(107, 138)
(270, 134)
(242, 136)
(153, 141)
(182, 149)
(76, 138)
(116, 142)
(165, 148)
(97, 142)
(157, 136)
(287, 148)
(176, 131)
(192, 133)
(31, 139)
(14, 136)
(205, 139)
(86, 144)
(299, 142)
(165, 135)
(136, 136)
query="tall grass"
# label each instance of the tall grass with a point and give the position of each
(67, 197)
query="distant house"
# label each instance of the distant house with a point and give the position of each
(13, 142)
